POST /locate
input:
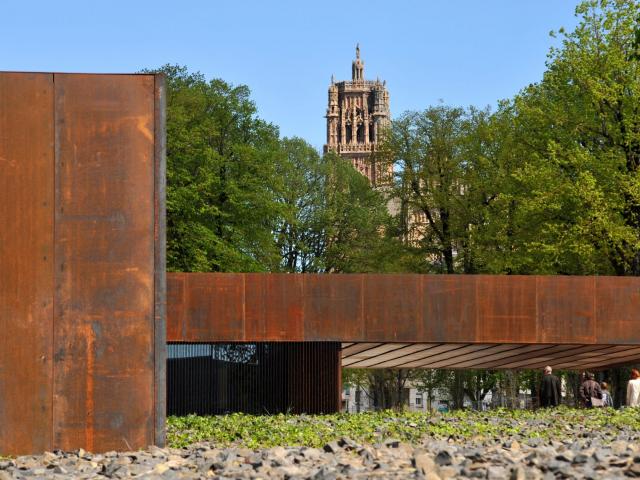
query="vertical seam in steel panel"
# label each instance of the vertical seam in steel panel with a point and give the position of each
(419, 325)
(594, 328)
(187, 302)
(154, 228)
(183, 310)
(53, 255)
(302, 320)
(154, 198)
(159, 261)
(363, 321)
(537, 310)
(540, 332)
(476, 306)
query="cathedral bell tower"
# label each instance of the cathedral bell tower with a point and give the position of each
(357, 112)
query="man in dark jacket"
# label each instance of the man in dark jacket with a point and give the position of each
(550, 393)
(590, 389)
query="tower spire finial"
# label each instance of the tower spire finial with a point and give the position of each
(357, 67)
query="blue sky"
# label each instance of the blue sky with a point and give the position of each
(463, 52)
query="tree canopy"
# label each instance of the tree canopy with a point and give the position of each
(547, 183)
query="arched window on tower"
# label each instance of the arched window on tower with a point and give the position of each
(372, 137)
(361, 133)
(348, 133)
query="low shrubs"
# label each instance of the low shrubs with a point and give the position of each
(257, 431)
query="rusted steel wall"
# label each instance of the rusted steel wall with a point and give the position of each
(82, 302)
(26, 261)
(205, 307)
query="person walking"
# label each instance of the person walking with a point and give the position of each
(607, 399)
(549, 392)
(633, 389)
(590, 392)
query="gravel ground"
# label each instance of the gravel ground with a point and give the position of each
(434, 459)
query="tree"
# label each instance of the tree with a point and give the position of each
(355, 222)
(432, 382)
(575, 196)
(299, 233)
(448, 170)
(334, 221)
(424, 148)
(221, 177)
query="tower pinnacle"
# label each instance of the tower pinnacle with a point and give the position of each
(357, 67)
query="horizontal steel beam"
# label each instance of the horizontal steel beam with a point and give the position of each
(404, 309)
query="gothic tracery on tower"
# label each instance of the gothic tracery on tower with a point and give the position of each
(357, 112)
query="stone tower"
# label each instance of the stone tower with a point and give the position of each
(358, 111)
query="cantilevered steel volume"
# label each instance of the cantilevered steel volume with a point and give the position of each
(418, 321)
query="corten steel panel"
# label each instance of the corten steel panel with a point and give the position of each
(506, 309)
(449, 308)
(392, 307)
(273, 307)
(176, 308)
(26, 261)
(566, 309)
(220, 309)
(333, 307)
(618, 310)
(104, 356)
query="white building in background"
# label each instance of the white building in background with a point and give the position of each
(356, 400)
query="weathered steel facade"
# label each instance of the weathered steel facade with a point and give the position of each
(82, 354)
(248, 307)
(418, 321)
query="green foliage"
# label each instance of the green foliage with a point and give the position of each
(239, 198)
(355, 220)
(572, 203)
(256, 431)
(425, 150)
(550, 182)
(334, 220)
(221, 177)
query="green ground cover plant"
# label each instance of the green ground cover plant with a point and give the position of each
(263, 431)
